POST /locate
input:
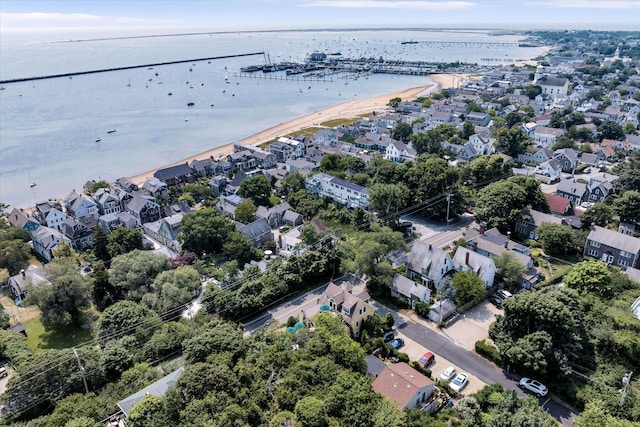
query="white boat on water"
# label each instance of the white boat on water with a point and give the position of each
(111, 130)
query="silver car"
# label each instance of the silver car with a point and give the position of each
(533, 386)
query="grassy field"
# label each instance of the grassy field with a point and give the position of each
(40, 338)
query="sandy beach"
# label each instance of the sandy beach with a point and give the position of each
(344, 110)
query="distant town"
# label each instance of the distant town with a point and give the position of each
(470, 255)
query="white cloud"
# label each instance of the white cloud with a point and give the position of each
(67, 19)
(591, 4)
(390, 4)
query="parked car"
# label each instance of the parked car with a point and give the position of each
(504, 294)
(459, 382)
(283, 228)
(397, 343)
(448, 373)
(3, 372)
(496, 300)
(533, 386)
(427, 359)
(388, 336)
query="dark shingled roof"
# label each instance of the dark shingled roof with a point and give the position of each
(173, 172)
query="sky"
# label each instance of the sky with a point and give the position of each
(221, 15)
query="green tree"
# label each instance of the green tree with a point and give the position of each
(429, 180)
(590, 276)
(402, 132)
(553, 310)
(123, 240)
(14, 254)
(513, 141)
(220, 337)
(100, 241)
(126, 318)
(628, 174)
(535, 196)
(627, 207)
(204, 231)
(74, 406)
(239, 248)
(500, 204)
(98, 185)
(394, 102)
(610, 130)
(564, 141)
(388, 199)
(245, 211)
(599, 214)
(509, 268)
(132, 274)
(145, 412)
(310, 412)
(532, 91)
(512, 119)
(257, 188)
(467, 130)
(104, 293)
(292, 183)
(557, 239)
(365, 253)
(629, 128)
(64, 300)
(467, 286)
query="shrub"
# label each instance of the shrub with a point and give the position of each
(488, 351)
(421, 308)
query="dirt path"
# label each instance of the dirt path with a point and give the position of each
(18, 314)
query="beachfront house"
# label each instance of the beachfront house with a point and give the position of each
(143, 208)
(174, 175)
(20, 219)
(399, 152)
(81, 207)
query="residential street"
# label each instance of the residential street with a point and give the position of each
(426, 334)
(453, 345)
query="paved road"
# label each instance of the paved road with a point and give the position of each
(474, 364)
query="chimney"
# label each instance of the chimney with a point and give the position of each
(24, 275)
(475, 247)
(482, 227)
(508, 235)
(430, 249)
(593, 226)
(466, 260)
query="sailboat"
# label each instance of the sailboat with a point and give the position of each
(226, 79)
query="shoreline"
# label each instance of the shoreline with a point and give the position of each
(343, 110)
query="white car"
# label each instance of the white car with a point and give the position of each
(459, 382)
(504, 294)
(534, 386)
(448, 373)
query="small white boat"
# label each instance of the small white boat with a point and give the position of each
(111, 130)
(33, 184)
(98, 139)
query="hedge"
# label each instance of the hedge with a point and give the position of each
(488, 351)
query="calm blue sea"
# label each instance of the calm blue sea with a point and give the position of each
(49, 128)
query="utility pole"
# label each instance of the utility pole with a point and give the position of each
(448, 205)
(625, 384)
(84, 379)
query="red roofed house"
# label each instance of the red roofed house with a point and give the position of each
(404, 385)
(559, 205)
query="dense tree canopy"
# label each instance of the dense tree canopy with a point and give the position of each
(132, 274)
(205, 231)
(513, 141)
(388, 199)
(500, 204)
(535, 196)
(590, 276)
(257, 188)
(123, 240)
(540, 332)
(64, 301)
(556, 239)
(467, 286)
(627, 206)
(402, 132)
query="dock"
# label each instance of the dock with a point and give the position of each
(128, 67)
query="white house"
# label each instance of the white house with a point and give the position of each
(483, 266)
(551, 169)
(552, 86)
(80, 206)
(46, 239)
(407, 289)
(546, 136)
(399, 152)
(482, 144)
(54, 219)
(339, 190)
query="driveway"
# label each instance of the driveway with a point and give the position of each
(473, 325)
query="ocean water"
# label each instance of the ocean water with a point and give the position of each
(49, 128)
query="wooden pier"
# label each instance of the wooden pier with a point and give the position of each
(129, 67)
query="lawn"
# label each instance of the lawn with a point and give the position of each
(40, 338)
